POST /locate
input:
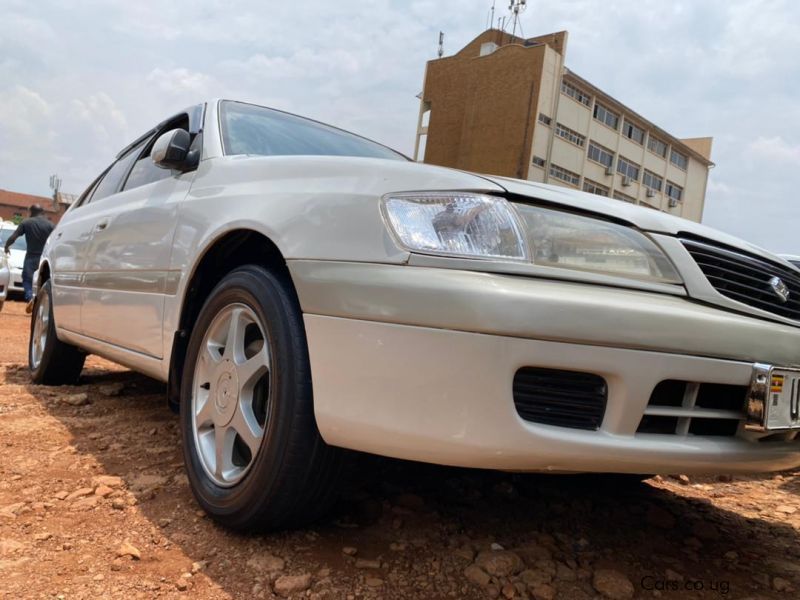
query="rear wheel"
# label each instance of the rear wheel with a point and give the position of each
(254, 456)
(51, 361)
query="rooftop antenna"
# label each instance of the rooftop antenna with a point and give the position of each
(515, 7)
(441, 43)
(491, 14)
(55, 185)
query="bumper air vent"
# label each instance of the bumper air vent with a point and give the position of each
(560, 398)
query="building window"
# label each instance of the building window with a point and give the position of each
(600, 154)
(570, 135)
(624, 197)
(544, 119)
(679, 160)
(628, 168)
(652, 181)
(656, 146)
(606, 116)
(633, 132)
(576, 94)
(564, 175)
(594, 188)
(538, 161)
(675, 192)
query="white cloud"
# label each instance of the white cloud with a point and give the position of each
(776, 149)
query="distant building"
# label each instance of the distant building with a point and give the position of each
(505, 105)
(14, 205)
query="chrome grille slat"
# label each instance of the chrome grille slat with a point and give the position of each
(745, 278)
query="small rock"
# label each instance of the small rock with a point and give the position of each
(111, 481)
(500, 563)
(98, 577)
(182, 585)
(365, 563)
(198, 566)
(164, 522)
(467, 554)
(349, 551)
(786, 509)
(119, 504)
(80, 492)
(128, 549)
(61, 495)
(43, 537)
(779, 584)
(266, 563)
(374, 581)
(112, 389)
(543, 591)
(724, 478)
(103, 491)
(86, 503)
(286, 585)
(612, 584)
(75, 399)
(477, 575)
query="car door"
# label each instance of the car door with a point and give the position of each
(127, 265)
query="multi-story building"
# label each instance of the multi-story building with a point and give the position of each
(14, 206)
(508, 106)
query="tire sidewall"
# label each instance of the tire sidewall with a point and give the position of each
(265, 295)
(38, 373)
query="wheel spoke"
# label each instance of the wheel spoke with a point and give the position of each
(223, 452)
(205, 413)
(234, 342)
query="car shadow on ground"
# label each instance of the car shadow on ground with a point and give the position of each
(424, 521)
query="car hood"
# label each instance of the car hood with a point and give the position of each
(17, 258)
(646, 219)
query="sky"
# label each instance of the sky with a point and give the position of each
(79, 80)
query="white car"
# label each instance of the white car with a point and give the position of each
(302, 289)
(16, 257)
(792, 258)
(5, 278)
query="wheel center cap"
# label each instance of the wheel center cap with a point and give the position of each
(226, 391)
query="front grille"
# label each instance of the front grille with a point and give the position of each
(561, 398)
(746, 278)
(686, 408)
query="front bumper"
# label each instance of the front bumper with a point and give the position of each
(419, 364)
(16, 281)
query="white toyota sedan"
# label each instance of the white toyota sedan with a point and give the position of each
(303, 290)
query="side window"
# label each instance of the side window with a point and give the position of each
(113, 177)
(145, 170)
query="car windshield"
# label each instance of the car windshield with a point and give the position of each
(20, 244)
(250, 129)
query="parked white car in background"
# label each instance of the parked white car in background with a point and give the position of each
(5, 278)
(16, 258)
(249, 257)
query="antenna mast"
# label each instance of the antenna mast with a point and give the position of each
(55, 185)
(441, 43)
(515, 7)
(491, 15)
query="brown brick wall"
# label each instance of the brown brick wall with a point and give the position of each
(483, 108)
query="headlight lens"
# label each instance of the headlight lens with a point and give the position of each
(456, 224)
(561, 239)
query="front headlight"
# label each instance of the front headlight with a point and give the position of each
(456, 224)
(561, 239)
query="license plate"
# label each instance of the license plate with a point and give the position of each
(773, 403)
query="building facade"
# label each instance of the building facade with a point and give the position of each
(505, 105)
(14, 206)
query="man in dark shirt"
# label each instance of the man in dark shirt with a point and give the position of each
(36, 230)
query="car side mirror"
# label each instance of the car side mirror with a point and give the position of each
(172, 150)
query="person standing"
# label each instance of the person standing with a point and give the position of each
(36, 230)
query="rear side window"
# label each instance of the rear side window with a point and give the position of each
(114, 176)
(249, 129)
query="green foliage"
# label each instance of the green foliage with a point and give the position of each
(17, 219)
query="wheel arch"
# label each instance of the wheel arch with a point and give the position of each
(231, 249)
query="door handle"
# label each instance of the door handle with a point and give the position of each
(101, 225)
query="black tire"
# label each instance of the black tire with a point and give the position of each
(291, 480)
(60, 363)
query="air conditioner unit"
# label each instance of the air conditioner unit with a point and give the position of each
(609, 170)
(650, 193)
(626, 181)
(673, 203)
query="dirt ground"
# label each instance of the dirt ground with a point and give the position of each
(94, 503)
